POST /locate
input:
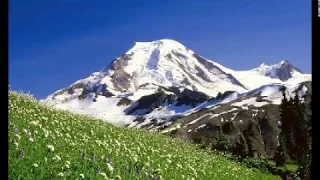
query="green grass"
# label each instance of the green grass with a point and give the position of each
(290, 168)
(86, 148)
(293, 168)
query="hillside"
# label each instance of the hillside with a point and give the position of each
(250, 124)
(45, 143)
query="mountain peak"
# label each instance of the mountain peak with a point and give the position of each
(280, 63)
(262, 66)
(283, 70)
(161, 41)
(160, 44)
(284, 62)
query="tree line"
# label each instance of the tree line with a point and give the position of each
(295, 134)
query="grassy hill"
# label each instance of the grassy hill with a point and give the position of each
(45, 143)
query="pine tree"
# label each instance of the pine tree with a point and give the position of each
(305, 157)
(295, 135)
(284, 111)
(282, 154)
(292, 119)
(298, 126)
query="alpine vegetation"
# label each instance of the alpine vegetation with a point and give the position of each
(45, 143)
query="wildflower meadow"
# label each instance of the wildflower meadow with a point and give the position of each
(46, 143)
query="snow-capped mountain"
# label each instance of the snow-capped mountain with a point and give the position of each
(163, 79)
(283, 70)
(282, 73)
(148, 65)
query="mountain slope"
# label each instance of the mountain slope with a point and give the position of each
(249, 123)
(49, 144)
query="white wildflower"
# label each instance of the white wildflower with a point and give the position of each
(35, 123)
(109, 167)
(103, 174)
(46, 133)
(16, 143)
(31, 139)
(135, 158)
(60, 174)
(67, 164)
(68, 135)
(56, 158)
(44, 118)
(82, 176)
(18, 136)
(117, 143)
(50, 147)
(102, 157)
(35, 165)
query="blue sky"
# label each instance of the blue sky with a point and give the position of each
(53, 43)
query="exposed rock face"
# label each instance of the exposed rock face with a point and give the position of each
(153, 101)
(103, 91)
(216, 70)
(192, 98)
(124, 101)
(283, 70)
(268, 122)
(245, 135)
(254, 140)
(150, 102)
(202, 74)
(308, 95)
(121, 79)
(70, 90)
(251, 131)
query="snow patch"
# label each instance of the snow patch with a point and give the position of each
(201, 126)
(250, 101)
(201, 117)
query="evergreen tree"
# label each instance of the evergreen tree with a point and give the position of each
(284, 111)
(295, 137)
(282, 154)
(305, 157)
(292, 129)
(300, 135)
